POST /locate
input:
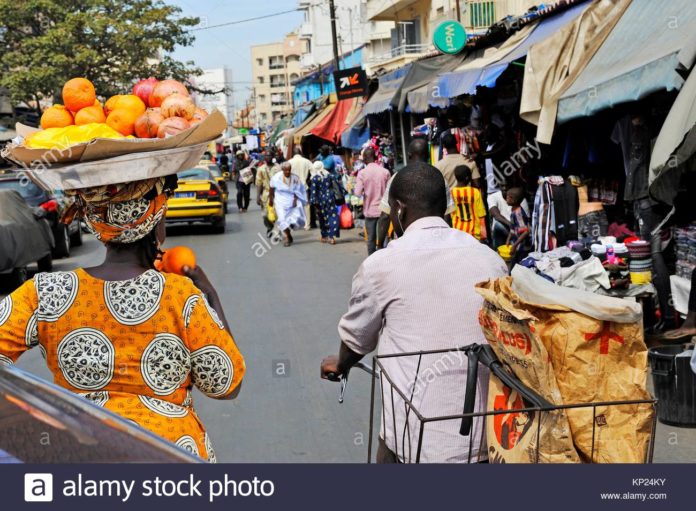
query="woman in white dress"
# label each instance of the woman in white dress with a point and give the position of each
(288, 196)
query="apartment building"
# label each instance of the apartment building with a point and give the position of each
(274, 67)
(353, 30)
(414, 21)
(218, 80)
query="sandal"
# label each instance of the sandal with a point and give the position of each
(324, 240)
(332, 241)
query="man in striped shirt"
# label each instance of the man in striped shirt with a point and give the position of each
(469, 213)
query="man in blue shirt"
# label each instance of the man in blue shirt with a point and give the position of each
(327, 159)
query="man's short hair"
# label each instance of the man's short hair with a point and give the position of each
(297, 150)
(418, 150)
(369, 154)
(449, 142)
(463, 174)
(421, 187)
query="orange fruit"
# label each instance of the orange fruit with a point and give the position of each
(90, 114)
(122, 121)
(131, 103)
(56, 116)
(110, 104)
(78, 93)
(174, 260)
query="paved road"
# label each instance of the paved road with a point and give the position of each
(283, 305)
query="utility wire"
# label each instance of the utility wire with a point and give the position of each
(244, 21)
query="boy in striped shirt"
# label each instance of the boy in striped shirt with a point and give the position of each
(469, 213)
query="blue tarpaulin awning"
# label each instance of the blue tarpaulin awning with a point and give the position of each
(632, 63)
(482, 68)
(387, 95)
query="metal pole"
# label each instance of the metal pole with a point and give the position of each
(459, 11)
(332, 13)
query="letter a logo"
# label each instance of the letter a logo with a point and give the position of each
(38, 487)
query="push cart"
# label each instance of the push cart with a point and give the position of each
(410, 428)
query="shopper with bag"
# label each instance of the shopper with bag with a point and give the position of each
(372, 183)
(323, 198)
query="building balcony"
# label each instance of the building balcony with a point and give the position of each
(405, 50)
(277, 85)
(305, 30)
(385, 10)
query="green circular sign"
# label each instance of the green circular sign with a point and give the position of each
(450, 37)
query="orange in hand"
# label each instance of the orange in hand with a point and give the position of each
(176, 258)
(78, 93)
(56, 116)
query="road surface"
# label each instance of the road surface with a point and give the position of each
(283, 305)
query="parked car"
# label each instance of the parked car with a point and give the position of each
(53, 203)
(197, 198)
(25, 237)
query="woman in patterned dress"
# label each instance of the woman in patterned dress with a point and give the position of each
(321, 195)
(122, 334)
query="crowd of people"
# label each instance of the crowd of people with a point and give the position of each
(496, 215)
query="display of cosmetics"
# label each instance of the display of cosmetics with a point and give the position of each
(686, 250)
(640, 262)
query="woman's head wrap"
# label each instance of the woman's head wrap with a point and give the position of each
(123, 213)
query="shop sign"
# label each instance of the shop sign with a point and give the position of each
(450, 37)
(350, 83)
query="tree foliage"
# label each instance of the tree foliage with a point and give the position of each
(113, 43)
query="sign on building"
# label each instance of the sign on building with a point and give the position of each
(350, 83)
(450, 37)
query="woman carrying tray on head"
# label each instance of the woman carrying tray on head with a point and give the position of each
(123, 335)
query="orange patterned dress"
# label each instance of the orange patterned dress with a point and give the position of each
(135, 347)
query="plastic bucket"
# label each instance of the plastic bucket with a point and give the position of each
(675, 385)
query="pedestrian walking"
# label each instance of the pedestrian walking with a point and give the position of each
(243, 181)
(123, 335)
(419, 294)
(323, 198)
(264, 173)
(288, 196)
(469, 213)
(452, 160)
(371, 183)
(327, 158)
(302, 167)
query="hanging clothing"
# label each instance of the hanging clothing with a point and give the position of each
(289, 199)
(544, 218)
(321, 195)
(566, 205)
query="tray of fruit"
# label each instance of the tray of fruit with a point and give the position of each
(156, 116)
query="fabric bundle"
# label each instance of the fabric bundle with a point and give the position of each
(640, 265)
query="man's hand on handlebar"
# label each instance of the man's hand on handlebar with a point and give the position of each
(329, 369)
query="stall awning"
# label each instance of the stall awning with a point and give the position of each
(357, 133)
(337, 121)
(674, 152)
(482, 68)
(302, 113)
(282, 125)
(633, 62)
(311, 122)
(386, 97)
(418, 88)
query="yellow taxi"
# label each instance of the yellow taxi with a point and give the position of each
(197, 198)
(220, 178)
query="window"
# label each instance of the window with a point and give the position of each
(292, 58)
(294, 77)
(259, 62)
(261, 79)
(481, 14)
(279, 99)
(262, 98)
(276, 62)
(277, 81)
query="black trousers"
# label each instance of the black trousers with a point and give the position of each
(243, 195)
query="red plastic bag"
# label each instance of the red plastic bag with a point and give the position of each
(345, 218)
